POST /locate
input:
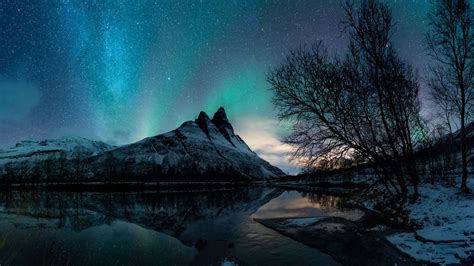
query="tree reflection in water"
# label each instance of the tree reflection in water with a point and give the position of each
(324, 201)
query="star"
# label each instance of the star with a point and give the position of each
(95, 69)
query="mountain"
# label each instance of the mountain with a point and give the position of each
(203, 149)
(40, 150)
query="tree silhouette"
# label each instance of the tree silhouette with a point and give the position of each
(362, 106)
(451, 44)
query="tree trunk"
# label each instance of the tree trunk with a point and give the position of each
(412, 172)
(401, 182)
(464, 188)
(414, 180)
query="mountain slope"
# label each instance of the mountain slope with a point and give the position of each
(35, 150)
(202, 149)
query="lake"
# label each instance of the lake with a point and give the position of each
(172, 227)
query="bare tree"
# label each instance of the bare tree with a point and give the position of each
(443, 98)
(365, 105)
(450, 43)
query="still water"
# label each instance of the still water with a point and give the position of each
(158, 228)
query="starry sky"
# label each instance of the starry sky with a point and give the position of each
(120, 71)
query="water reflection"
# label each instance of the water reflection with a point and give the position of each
(118, 243)
(163, 211)
(154, 228)
(293, 204)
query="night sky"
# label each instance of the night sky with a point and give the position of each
(120, 71)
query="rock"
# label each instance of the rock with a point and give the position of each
(222, 123)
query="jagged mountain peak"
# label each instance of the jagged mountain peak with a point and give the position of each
(220, 119)
(220, 115)
(203, 119)
(220, 127)
(203, 115)
(205, 124)
(227, 131)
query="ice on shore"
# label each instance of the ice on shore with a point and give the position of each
(447, 217)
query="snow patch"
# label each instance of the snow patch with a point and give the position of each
(447, 218)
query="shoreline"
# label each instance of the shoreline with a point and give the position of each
(337, 189)
(347, 242)
(120, 186)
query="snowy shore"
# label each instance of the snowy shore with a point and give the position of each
(444, 217)
(447, 226)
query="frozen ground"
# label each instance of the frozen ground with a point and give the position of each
(303, 221)
(447, 219)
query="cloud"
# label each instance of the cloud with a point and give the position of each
(18, 98)
(261, 134)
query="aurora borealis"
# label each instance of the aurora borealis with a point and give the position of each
(120, 71)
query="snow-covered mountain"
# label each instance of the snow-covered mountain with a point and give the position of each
(201, 150)
(40, 150)
(205, 149)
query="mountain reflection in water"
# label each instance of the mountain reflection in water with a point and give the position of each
(155, 228)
